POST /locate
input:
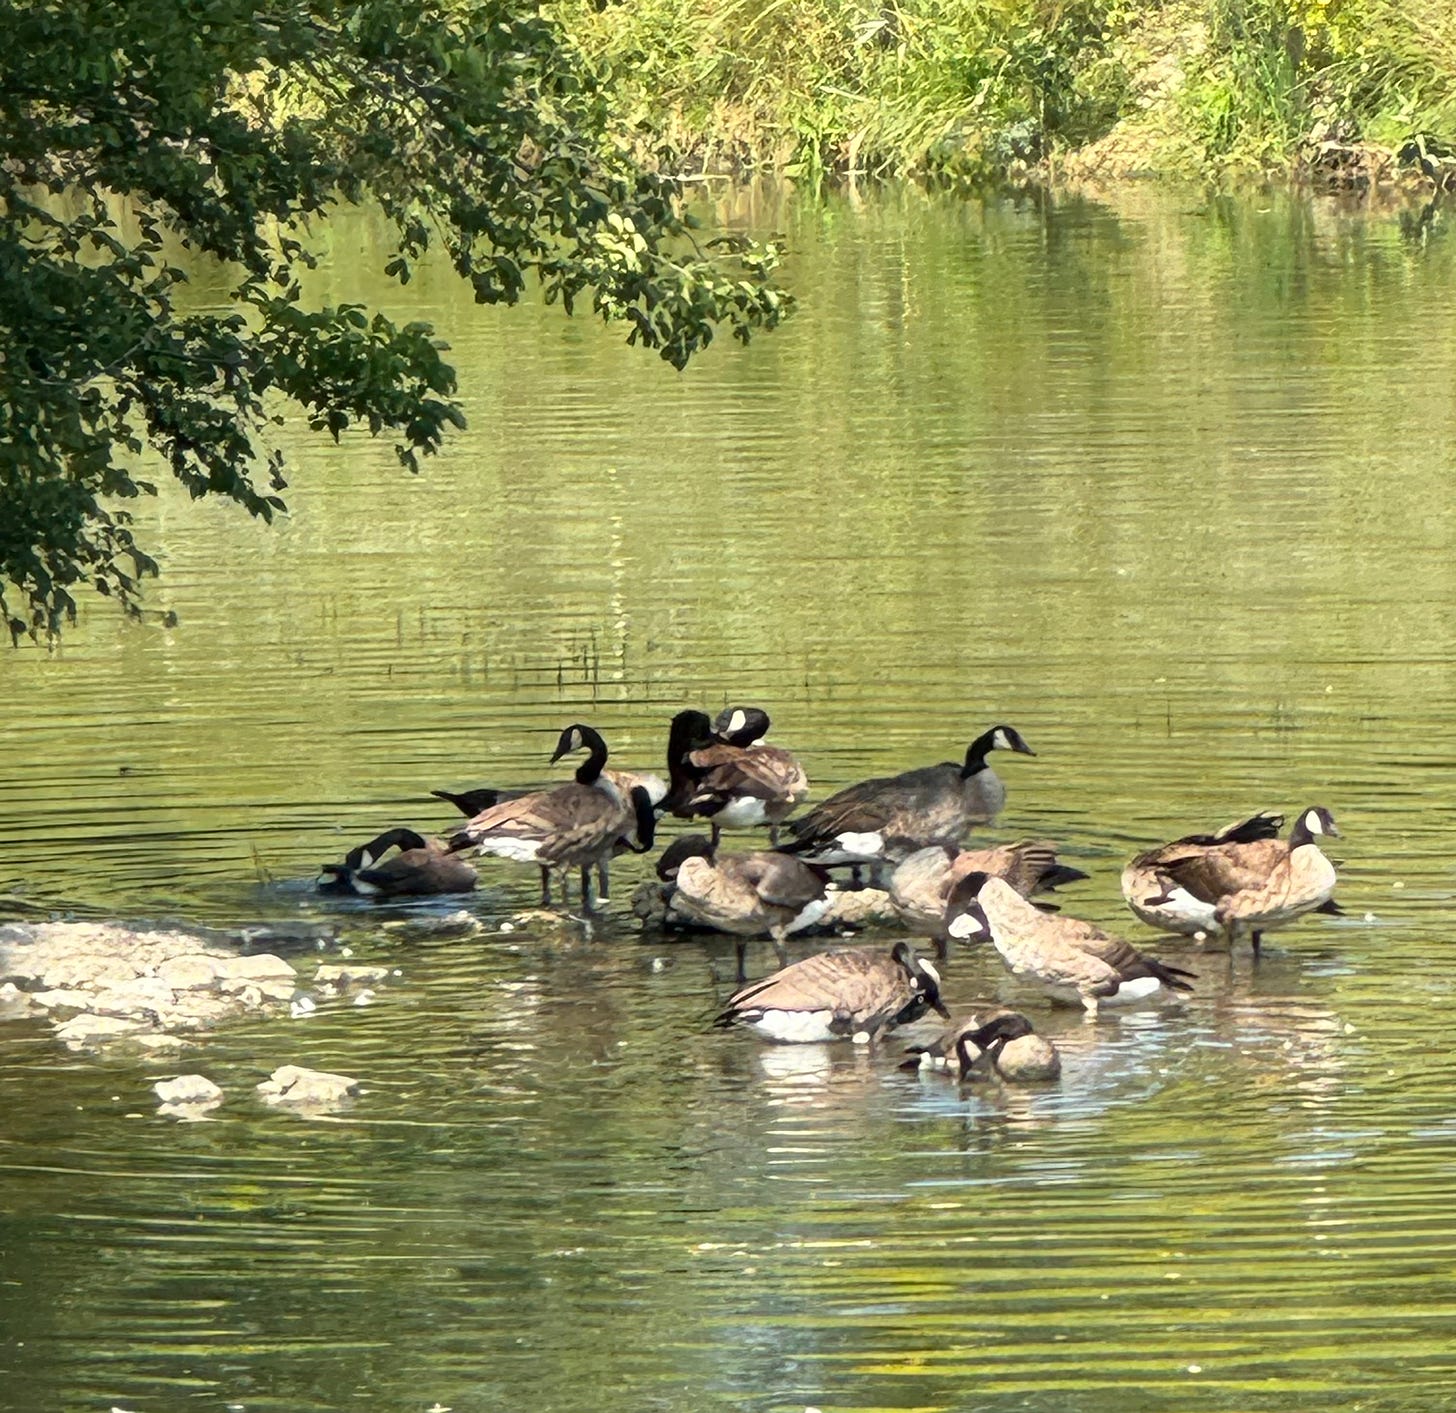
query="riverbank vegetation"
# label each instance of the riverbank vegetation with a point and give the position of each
(995, 88)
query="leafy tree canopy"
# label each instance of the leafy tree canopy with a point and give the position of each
(130, 128)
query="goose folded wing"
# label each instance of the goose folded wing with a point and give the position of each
(783, 881)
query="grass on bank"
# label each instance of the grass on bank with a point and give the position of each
(985, 88)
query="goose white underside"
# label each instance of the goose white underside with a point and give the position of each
(509, 847)
(810, 914)
(745, 812)
(1141, 988)
(793, 1027)
(1179, 912)
(848, 848)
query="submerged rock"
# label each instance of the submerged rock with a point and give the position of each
(190, 1090)
(314, 1089)
(337, 978)
(102, 981)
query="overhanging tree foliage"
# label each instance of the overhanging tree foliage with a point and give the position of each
(133, 128)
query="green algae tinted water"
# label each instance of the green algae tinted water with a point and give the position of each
(1164, 482)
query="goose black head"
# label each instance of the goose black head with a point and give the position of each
(582, 738)
(923, 977)
(1312, 824)
(998, 738)
(741, 726)
(683, 848)
(965, 918)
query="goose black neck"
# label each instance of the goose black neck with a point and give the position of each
(689, 731)
(976, 754)
(590, 770)
(1300, 834)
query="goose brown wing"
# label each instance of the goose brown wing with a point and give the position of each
(1213, 873)
(1129, 963)
(540, 814)
(843, 980)
(783, 881)
(1023, 865)
(759, 772)
(874, 805)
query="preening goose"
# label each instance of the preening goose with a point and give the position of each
(577, 825)
(1076, 962)
(731, 785)
(1182, 886)
(1301, 882)
(746, 895)
(1000, 1040)
(477, 801)
(849, 993)
(423, 867)
(920, 885)
(1176, 886)
(935, 802)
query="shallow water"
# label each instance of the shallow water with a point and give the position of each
(1164, 482)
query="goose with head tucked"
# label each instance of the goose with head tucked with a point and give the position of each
(746, 895)
(728, 776)
(422, 868)
(1000, 1040)
(920, 885)
(1181, 886)
(576, 825)
(849, 993)
(1074, 961)
(864, 823)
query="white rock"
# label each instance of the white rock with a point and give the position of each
(194, 972)
(302, 1006)
(140, 997)
(257, 967)
(290, 1084)
(61, 999)
(87, 1029)
(188, 1089)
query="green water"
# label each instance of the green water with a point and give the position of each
(1165, 483)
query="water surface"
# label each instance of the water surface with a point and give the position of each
(1163, 481)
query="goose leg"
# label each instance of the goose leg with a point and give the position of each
(942, 947)
(773, 836)
(717, 832)
(586, 897)
(1257, 938)
(603, 889)
(740, 947)
(776, 936)
(545, 886)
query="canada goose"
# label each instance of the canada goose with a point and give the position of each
(852, 993)
(746, 895)
(1301, 882)
(575, 825)
(1076, 962)
(741, 726)
(921, 884)
(1176, 886)
(732, 786)
(423, 867)
(1180, 886)
(1004, 1040)
(935, 802)
(477, 801)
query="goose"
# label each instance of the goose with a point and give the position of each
(576, 825)
(477, 801)
(934, 802)
(733, 786)
(847, 993)
(423, 867)
(1179, 887)
(746, 895)
(1075, 961)
(1176, 886)
(921, 883)
(1005, 1039)
(1301, 882)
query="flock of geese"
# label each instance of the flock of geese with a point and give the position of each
(907, 832)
